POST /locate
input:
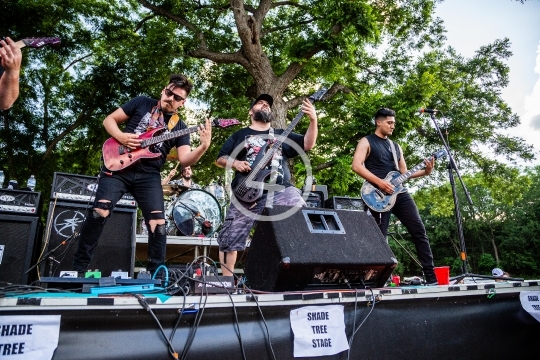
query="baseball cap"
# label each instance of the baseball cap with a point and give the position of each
(265, 97)
(497, 272)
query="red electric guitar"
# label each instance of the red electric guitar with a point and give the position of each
(117, 156)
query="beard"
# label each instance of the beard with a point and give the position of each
(187, 177)
(263, 116)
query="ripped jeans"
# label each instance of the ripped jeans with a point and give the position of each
(147, 191)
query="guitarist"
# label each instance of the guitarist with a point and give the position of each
(142, 179)
(373, 160)
(10, 67)
(237, 225)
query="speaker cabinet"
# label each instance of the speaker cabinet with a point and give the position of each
(317, 249)
(17, 247)
(116, 246)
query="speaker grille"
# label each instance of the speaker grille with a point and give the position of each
(116, 246)
(345, 203)
(18, 245)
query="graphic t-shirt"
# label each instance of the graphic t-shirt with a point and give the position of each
(252, 141)
(138, 109)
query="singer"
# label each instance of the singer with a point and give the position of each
(375, 156)
(254, 139)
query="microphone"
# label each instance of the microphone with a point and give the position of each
(428, 111)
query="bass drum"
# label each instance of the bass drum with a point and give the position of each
(196, 213)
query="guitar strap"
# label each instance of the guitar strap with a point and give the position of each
(173, 121)
(393, 148)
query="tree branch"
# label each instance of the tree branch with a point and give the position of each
(77, 60)
(83, 116)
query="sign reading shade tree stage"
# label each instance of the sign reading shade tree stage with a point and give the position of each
(318, 330)
(29, 337)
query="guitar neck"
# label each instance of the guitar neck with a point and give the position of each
(400, 179)
(168, 136)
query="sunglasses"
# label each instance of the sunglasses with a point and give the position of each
(176, 97)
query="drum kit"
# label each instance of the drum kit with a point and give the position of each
(194, 212)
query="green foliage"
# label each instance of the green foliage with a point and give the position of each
(369, 53)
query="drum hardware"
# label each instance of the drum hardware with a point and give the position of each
(173, 189)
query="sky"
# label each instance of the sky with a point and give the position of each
(474, 23)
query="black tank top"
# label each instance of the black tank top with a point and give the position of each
(380, 160)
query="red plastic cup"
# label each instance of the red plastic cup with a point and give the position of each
(443, 274)
(396, 279)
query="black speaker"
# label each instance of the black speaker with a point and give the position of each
(17, 247)
(345, 203)
(116, 246)
(317, 249)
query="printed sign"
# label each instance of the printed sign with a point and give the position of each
(318, 330)
(29, 337)
(530, 301)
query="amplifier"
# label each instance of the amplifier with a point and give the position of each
(315, 199)
(81, 188)
(20, 202)
(345, 203)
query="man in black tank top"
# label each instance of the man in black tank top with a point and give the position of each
(373, 160)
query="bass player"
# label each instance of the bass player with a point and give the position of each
(252, 140)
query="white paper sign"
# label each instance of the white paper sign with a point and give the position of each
(29, 337)
(318, 330)
(530, 301)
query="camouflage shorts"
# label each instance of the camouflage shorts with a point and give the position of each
(234, 233)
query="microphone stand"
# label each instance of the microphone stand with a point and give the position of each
(463, 252)
(49, 256)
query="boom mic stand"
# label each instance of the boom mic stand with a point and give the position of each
(463, 252)
(50, 255)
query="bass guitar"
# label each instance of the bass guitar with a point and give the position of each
(250, 187)
(117, 156)
(378, 200)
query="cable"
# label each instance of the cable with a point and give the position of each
(145, 305)
(362, 323)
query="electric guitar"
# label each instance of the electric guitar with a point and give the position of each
(250, 187)
(117, 156)
(37, 43)
(378, 200)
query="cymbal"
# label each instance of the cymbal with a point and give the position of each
(171, 189)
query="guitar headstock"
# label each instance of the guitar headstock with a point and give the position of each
(439, 154)
(41, 42)
(223, 123)
(318, 95)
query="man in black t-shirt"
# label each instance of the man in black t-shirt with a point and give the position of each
(142, 179)
(10, 67)
(239, 221)
(373, 160)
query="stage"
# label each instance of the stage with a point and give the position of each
(467, 321)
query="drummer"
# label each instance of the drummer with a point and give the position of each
(185, 179)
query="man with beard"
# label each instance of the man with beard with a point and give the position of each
(239, 222)
(142, 179)
(185, 180)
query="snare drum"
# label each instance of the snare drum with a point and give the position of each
(196, 212)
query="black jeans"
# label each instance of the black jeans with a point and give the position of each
(406, 211)
(147, 191)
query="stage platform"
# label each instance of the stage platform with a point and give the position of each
(467, 321)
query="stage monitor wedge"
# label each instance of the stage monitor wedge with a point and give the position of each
(317, 249)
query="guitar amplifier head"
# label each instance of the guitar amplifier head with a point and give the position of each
(81, 188)
(20, 202)
(345, 203)
(315, 199)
